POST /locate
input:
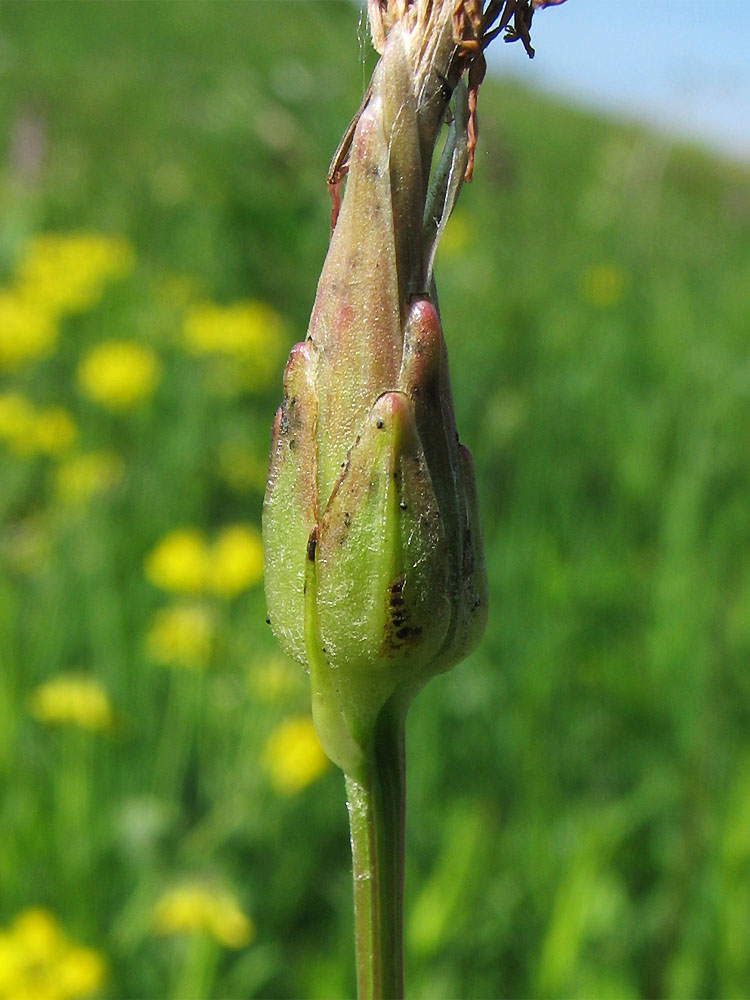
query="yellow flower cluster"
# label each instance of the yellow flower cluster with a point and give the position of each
(39, 962)
(235, 561)
(118, 374)
(195, 908)
(30, 430)
(72, 699)
(293, 757)
(26, 330)
(57, 274)
(251, 333)
(67, 272)
(243, 329)
(182, 635)
(184, 562)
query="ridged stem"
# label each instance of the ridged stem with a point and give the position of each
(376, 801)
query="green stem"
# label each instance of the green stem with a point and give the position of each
(376, 800)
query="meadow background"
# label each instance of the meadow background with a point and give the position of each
(579, 789)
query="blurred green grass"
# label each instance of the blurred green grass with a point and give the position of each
(579, 789)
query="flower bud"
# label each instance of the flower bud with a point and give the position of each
(373, 560)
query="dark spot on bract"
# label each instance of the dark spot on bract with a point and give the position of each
(312, 544)
(400, 629)
(409, 632)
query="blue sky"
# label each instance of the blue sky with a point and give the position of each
(681, 65)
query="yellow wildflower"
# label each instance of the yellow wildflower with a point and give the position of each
(602, 284)
(67, 272)
(293, 757)
(39, 962)
(83, 476)
(184, 562)
(249, 332)
(179, 562)
(80, 972)
(26, 330)
(16, 420)
(73, 699)
(245, 329)
(117, 374)
(198, 908)
(182, 635)
(236, 560)
(27, 430)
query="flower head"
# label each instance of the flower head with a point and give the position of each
(39, 962)
(236, 560)
(243, 330)
(67, 272)
(185, 562)
(373, 559)
(243, 339)
(27, 331)
(30, 430)
(293, 756)
(16, 420)
(179, 562)
(118, 374)
(72, 699)
(198, 908)
(182, 635)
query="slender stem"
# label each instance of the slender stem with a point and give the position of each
(376, 800)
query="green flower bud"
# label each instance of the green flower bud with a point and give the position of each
(374, 571)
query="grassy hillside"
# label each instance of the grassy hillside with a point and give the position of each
(579, 789)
